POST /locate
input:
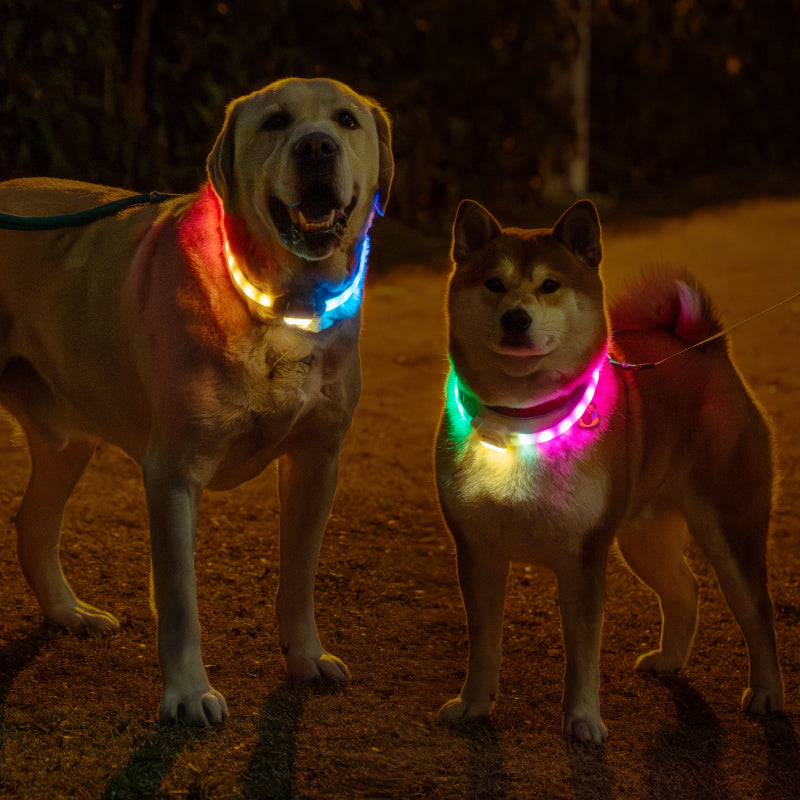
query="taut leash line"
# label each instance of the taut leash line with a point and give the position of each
(652, 364)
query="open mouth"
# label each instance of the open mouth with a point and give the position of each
(319, 217)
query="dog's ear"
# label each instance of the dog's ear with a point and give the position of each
(579, 230)
(473, 229)
(219, 164)
(385, 159)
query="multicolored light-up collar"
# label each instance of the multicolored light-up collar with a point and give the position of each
(315, 311)
(498, 431)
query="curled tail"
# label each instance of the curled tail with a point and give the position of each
(670, 302)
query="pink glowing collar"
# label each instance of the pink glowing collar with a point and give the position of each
(499, 429)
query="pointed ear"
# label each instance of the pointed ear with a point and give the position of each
(219, 164)
(579, 230)
(385, 160)
(473, 229)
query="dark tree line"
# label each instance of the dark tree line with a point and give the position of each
(133, 91)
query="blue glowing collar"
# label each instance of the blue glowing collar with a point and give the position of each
(315, 311)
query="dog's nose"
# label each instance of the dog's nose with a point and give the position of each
(316, 147)
(516, 321)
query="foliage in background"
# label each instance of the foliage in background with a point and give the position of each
(693, 88)
(133, 92)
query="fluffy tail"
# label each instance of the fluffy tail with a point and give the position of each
(675, 303)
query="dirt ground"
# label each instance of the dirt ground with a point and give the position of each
(76, 713)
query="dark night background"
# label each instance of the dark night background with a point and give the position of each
(690, 101)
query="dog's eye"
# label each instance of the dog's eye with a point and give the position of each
(347, 120)
(550, 286)
(495, 285)
(278, 121)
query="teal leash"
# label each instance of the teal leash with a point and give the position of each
(15, 223)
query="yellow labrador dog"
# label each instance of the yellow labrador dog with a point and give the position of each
(206, 336)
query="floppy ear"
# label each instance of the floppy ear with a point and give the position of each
(219, 164)
(473, 229)
(579, 230)
(385, 159)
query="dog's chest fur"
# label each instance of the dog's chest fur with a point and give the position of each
(273, 382)
(537, 503)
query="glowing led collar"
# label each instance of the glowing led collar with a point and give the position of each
(315, 312)
(499, 431)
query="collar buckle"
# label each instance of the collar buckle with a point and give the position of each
(492, 436)
(301, 314)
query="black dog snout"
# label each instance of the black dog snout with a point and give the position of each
(316, 147)
(516, 321)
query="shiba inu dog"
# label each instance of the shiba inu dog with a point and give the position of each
(548, 450)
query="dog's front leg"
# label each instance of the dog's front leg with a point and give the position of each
(581, 594)
(307, 484)
(187, 696)
(482, 576)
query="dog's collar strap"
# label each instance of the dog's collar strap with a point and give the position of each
(499, 429)
(315, 310)
(542, 411)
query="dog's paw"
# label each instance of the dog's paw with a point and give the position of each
(80, 617)
(658, 663)
(586, 729)
(457, 709)
(761, 701)
(198, 709)
(325, 668)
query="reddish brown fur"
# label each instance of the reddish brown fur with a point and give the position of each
(657, 302)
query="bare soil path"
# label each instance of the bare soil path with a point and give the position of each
(76, 714)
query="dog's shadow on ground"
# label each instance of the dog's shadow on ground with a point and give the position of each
(783, 766)
(146, 769)
(19, 653)
(488, 778)
(592, 778)
(270, 773)
(268, 776)
(685, 757)
(16, 656)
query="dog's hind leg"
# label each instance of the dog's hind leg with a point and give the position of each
(734, 539)
(54, 474)
(653, 549)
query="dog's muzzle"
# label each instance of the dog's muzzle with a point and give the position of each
(320, 217)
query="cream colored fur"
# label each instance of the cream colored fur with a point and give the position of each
(131, 330)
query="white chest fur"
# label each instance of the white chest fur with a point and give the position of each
(552, 498)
